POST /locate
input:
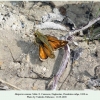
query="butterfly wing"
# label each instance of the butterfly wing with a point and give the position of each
(45, 52)
(42, 54)
(48, 52)
(55, 43)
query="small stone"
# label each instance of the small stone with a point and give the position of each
(44, 69)
(39, 4)
(62, 11)
(59, 3)
(14, 11)
(75, 43)
(34, 88)
(14, 27)
(28, 58)
(2, 5)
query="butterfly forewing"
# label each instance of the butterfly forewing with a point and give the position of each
(55, 43)
(51, 38)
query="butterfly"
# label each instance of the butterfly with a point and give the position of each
(47, 44)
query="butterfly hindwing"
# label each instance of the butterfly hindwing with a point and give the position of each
(48, 52)
(42, 54)
(45, 52)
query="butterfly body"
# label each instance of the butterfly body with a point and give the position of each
(42, 39)
(47, 44)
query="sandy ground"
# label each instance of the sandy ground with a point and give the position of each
(19, 56)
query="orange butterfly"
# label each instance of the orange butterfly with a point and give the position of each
(47, 44)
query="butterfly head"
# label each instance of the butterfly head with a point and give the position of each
(36, 33)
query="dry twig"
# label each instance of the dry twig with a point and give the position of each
(63, 65)
(9, 84)
(67, 52)
(84, 28)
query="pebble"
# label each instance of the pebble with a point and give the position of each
(14, 27)
(2, 5)
(75, 43)
(44, 69)
(28, 58)
(14, 11)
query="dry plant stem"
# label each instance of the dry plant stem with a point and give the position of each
(9, 84)
(63, 65)
(67, 52)
(83, 28)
